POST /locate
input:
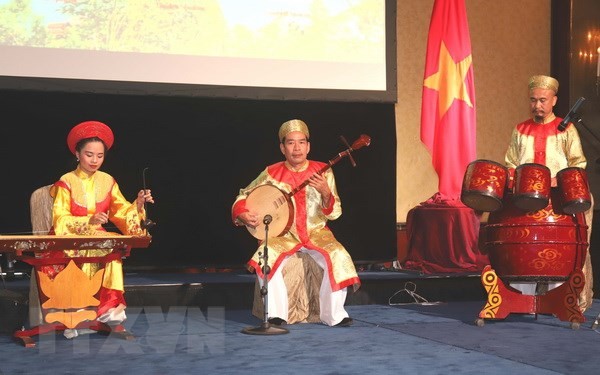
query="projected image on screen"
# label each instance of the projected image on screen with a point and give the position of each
(321, 44)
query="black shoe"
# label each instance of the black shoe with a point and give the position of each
(346, 322)
(276, 321)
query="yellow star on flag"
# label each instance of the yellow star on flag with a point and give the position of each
(449, 80)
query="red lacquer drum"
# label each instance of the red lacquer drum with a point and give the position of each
(574, 190)
(483, 185)
(532, 184)
(535, 246)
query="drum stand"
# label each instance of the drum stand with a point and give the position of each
(503, 300)
(265, 328)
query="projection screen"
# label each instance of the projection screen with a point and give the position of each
(264, 49)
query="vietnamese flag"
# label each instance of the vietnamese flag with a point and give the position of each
(448, 120)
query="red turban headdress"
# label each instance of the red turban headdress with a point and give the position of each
(89, 129)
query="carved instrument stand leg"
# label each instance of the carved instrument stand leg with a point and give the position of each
(502, 300)
(26, 335)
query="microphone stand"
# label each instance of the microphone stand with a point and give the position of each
(578, 120)
(574, 117)
(265, 328)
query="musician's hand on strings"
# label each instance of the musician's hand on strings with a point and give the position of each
(319, 182)
(99, 218)
(248, 219)
(143, 197)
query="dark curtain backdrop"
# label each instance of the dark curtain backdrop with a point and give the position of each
(200, 152)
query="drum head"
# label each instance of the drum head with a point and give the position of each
(481, 202)
(576, 206)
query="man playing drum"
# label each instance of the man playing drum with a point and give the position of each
(539, 140)
(313, 205)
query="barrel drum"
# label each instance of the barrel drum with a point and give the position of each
(531, 187)
(540, 245)
(483, 185)
(574, 190)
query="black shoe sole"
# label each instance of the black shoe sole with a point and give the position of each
(346, 322)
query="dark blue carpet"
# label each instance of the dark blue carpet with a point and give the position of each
(417, 339)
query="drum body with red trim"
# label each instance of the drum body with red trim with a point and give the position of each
(531, 187)
(483, 185)
(574, 190)
(539, 245)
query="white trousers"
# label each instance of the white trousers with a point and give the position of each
(331, 303)
(529, 287)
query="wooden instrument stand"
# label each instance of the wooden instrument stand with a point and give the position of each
(502, 300)
(65, 307)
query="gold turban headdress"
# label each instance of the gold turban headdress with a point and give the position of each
(293, 126)
(543, 82)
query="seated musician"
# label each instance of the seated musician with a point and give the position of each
(539, 140)
(84, 200)
(314, 205)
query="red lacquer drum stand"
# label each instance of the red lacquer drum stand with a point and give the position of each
(541, 246)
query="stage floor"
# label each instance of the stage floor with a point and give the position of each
(405, 322)
(414, 338)
(234, 288)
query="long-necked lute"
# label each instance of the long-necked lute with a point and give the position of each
(268, 200)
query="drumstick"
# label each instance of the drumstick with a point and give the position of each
(147, 223)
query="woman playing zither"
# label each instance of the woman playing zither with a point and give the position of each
(87, 198)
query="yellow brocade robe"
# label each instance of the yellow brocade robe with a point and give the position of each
(545, 144)
(77, 197)
(309, 228)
